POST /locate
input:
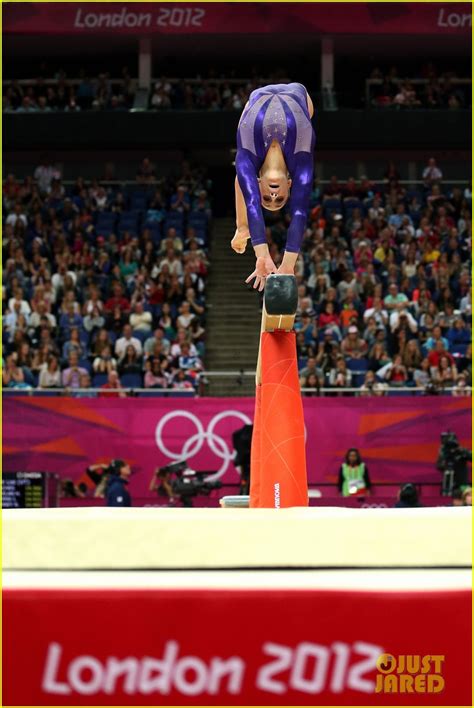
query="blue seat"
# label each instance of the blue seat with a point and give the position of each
(99, 380)
(85, 364)
(29, 378)
(350, 204)
(132, 380)
(358, 368)
(141, 335)
(332, 205)
(138, 201)
(105, 230)
(458, 349)
(198, 219)
(106, 218)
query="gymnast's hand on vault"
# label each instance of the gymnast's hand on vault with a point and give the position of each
(263, 268)
(241, 236)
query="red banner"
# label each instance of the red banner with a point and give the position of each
(236, 647)
(247, 18)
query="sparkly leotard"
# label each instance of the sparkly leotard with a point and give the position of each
(277, 112)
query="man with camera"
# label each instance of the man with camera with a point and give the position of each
(452, 461)
(111, 482)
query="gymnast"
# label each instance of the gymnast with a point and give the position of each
(274, 164)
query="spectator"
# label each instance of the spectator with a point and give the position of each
(395, 300)
(311, 370)
(155, 377)
(140, 320)
(372, 387)
(13, 376)
(181, 382)
(445, 374)
(113, 387)
(126, 340)
(130, 363)
(432, 173)
(340, 376)
(353, 345)
(73, 344)
(397, 374)
(71, 375)
(105, 362)
(93, 321)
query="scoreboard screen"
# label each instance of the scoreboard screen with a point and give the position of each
(25, 490)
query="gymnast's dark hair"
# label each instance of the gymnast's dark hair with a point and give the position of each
(353, 449)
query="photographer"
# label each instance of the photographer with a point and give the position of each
(452, 461)
(161, 484)
(177, 481)
(242, 442)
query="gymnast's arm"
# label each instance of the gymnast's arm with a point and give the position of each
(248, 184)
(302, 181)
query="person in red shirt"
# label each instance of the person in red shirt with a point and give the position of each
(111, 389)
(435, 355)
(329, 316)
(117, 300)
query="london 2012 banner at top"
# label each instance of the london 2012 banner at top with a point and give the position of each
(222, 18)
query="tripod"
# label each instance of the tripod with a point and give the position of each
(448, 482)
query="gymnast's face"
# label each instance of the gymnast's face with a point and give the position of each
(274, 190)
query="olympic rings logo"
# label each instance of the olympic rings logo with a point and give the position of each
(194, 443)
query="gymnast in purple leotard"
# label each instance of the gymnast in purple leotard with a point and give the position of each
(274, 164)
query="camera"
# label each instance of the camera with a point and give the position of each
(452, 450)
(452, 462)
(185, 483)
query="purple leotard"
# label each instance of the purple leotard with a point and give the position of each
(276, 112)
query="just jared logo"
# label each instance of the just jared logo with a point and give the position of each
(409, 673)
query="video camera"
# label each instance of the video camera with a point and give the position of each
(452, 462)
(187, 483)
(452, 451)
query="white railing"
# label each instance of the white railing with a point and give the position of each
(177, 393)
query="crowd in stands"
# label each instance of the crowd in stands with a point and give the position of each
(209, 94)
(105, 287)
(384, 285)
(426, 88)
(43, 95)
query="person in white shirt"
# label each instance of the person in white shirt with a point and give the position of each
(50, 373)
(40, 312)
(25, 308)
(466, 304)
(377, 312)
(140, 319)
(17, 215)
(397, 315)
(174, 264)
(123, 342)
(186, 316)
(57, 280)
(432, 173)
(44, 175)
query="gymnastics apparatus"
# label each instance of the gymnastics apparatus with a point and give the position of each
(258, 606)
